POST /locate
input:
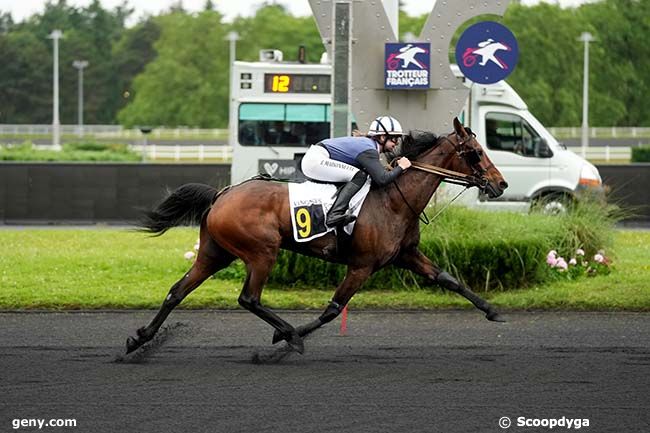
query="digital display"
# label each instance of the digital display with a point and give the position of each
(296, 83)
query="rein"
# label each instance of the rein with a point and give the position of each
(449, 176)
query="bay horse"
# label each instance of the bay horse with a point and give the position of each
(251, 221)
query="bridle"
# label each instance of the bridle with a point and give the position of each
(469, 154)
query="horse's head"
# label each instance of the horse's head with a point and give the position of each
(473, 161)
(468, 158)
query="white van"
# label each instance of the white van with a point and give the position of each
(532, 161)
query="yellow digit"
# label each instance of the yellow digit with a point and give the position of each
(303, 219)
(281, 83)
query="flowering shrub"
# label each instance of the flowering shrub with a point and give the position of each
(189, 255)
(579, 265)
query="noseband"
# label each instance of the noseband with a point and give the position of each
(470, 155)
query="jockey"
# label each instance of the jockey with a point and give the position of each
(351, 160)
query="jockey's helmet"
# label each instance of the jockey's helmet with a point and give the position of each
(385, 125)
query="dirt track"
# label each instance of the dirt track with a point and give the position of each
(393, 372)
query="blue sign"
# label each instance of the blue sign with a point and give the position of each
(487, 52)
(407, 65)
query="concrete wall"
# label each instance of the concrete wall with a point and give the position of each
(45, 193)
(60, 193)
(629, 186)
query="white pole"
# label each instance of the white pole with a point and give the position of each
(56, 124)
(232, 37)
(585, 37)
(80, 65)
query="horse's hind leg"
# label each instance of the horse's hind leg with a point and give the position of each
(414, 260)
(258, 273)
(353, 280)
(210, 259)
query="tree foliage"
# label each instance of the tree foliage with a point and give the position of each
(186, 84)
(173, 70)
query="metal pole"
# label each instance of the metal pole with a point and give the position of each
(56, 124)
(80, 65)
(392, 12)
(341, 67)
(585, 37)
(232, 37)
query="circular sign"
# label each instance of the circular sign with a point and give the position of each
(487, 52)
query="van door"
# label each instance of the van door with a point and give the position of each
(517, 150)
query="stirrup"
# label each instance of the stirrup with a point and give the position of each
(340, 220)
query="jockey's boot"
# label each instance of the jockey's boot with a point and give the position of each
(338, 216)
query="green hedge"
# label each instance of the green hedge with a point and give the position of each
(486, 250)
(72, 152)
(641, 154)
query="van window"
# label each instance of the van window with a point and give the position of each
(262, 124)
(282, 124)
(510, 133)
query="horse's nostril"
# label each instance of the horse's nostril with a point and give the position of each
(503, 184)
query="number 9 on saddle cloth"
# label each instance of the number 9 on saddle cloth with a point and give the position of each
(309, 203)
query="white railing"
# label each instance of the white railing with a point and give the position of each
(604, 153)
(201, 152)
(65, 129)
(601, 132)
(114, 131)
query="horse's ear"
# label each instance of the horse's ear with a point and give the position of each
(458, 127)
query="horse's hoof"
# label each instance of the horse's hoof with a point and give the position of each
(296, 343)
(141, 332)
(495, 317)
(132, 344)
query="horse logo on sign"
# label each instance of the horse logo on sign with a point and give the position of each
(487, 52)
(406, 66)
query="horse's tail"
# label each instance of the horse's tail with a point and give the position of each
(184, 206)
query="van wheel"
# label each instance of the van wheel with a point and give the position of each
(553, 204)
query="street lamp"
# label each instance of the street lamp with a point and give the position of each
(80, 65)
(56, 124)
(231, 37)
(585, 37)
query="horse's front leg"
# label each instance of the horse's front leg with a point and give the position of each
(353, 280)
(414, 260)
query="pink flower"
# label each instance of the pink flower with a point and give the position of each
(551, 258)
(580, 252)
(561, 264)
(599, 258)
(573, 262)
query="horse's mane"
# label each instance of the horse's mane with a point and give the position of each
(417, 142)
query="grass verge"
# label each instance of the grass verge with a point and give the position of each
(118, 268)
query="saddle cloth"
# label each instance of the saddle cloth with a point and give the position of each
(309, 203)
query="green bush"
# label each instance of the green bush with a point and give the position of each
(71, 152)
(641, 154)
(94, 146)
(486, 250)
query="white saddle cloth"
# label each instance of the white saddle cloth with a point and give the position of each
(309, 203)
